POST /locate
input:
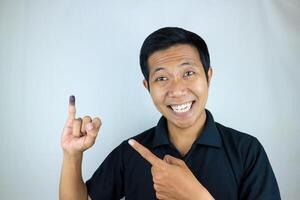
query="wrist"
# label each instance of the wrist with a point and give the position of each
(72, 157)
(202, 194)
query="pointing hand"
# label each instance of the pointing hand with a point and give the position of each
(172, 179)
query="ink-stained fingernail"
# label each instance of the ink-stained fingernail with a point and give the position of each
(72, 100)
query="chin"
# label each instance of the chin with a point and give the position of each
(183, 124)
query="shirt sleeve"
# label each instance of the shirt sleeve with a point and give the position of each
(258, 180)
(107, 181)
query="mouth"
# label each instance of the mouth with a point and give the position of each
(181, 108)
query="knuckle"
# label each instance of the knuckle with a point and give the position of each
(91, 142)
(154, 179)
(92, 133)
(87, 118)
(157, 177)
(69, 123)
(97, 122)
(158, 195)
(156, 187)
(72, 110)
(97, 119)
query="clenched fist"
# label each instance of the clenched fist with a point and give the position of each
(78, 134)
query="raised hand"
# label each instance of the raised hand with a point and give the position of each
(172, 179)
(78, 134)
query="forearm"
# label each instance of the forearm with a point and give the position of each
(200, 193)
(72, 186)
(205, 195)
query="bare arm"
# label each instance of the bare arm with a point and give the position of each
(71, 182)
(78, 135)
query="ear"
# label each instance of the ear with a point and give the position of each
(145, 83)
(209, 75)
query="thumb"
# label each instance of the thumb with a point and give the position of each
(172, 160)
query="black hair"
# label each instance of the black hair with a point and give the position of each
(166, 37)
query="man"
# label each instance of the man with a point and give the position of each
(187, 155)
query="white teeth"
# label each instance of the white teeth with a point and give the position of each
(182, 108)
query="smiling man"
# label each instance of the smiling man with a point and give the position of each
(187, 155)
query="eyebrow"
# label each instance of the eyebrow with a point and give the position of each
(181, 64)
(187, 63)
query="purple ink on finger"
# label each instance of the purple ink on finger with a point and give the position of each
(72, 100)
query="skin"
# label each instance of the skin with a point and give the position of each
(172, 179)
(176, 76)
(77, 136)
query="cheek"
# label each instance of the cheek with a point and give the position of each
(200, 88)
(157, 95)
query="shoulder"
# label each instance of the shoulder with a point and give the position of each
(233, 134)
(240, 146)
(235, 138)
(250, 164)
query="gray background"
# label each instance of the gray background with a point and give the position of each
(51, 49)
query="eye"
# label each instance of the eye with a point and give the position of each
(189, 73)
(161, 78)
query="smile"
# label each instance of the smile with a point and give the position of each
(181, 108)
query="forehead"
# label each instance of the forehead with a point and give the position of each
(175, 53)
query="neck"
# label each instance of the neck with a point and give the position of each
(183, 138)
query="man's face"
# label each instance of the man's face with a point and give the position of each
(178, 85)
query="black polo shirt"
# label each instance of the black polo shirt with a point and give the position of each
(229, 164)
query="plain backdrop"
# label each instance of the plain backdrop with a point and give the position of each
(52, 49)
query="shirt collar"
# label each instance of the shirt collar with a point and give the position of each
(210, 135)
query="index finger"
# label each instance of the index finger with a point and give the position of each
(72, 108)
(146, 153)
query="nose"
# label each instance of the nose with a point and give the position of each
(177, 88)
